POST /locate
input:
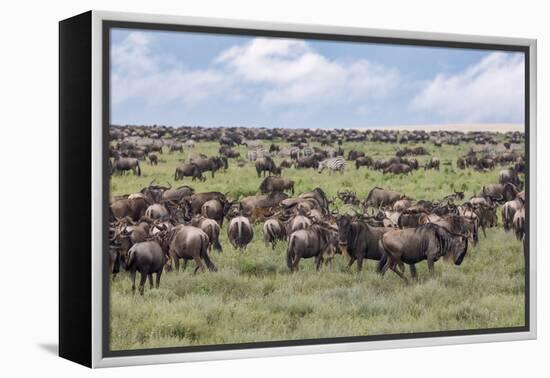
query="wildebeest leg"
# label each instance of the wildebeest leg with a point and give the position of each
(431, 266)
(386, 266)
(184, 265)
(413, 271)
(351, 261)
(318, 261)
(150, 276)
(400, 274)
(295, 263)
(159, 273)
(142, 282)
(133, 279)
(200, 264)
(177, 263)
(359, 264)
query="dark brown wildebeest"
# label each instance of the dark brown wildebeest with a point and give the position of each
(189, 170)
(499, 192)
(210, 228)
(123, 164)
(398, 169)
(509, 175)
(354, 154)
(147, 258)
(189, 243)
(427, 242)
(485, 163)
(433, 163)
(311, 161)
(379, 197)
(319, 196)
(359, 240)
(266, 164)
(458, 224)
(240, 232)
(153, 159)
(129, 207)
(211, 164)
(276, 184)
(274, 230)
(363, 161)
(461, 163)
(318, 241)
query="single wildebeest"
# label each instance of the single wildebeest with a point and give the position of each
(427, 242)
(240, 232)
(188, 170)
(147, 258)
(363, 161)
(129, 207)
(315, 241)
(509, 175)
(276, 184)
(214, 209)
(353, 154)
(519, 224)
(210, 228)
(153, 159)
(379, 197)
(359, 240)
(266, 164)
(398, 169)
(189, 243)
(176, 147)
(499, 192)
(274, 230)
(123, 164)
(508, 211)
(212, 164)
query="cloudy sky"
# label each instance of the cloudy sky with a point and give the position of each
(177, 78)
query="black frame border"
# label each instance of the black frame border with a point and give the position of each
(107, 25)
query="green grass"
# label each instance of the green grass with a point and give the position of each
(254, 298)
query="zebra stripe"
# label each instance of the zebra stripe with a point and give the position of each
(333, 164)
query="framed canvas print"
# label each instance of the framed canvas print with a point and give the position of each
(234, 189)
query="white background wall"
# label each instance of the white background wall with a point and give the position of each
(28, 115)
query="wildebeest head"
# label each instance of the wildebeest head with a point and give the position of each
(344, 229)
(453, 246)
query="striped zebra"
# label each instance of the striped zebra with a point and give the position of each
(333, 164)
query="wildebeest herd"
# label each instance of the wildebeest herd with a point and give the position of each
(158, 224)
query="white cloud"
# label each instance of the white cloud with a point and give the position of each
(151, 79)
(293, 73)
(490, 91)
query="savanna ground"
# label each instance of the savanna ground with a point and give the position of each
(254, 298)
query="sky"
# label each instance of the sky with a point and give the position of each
(182, 78)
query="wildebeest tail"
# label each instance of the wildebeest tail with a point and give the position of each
(383, 259)
(130, 260)
(204, 254)
(290, 255)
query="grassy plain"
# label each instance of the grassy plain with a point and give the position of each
(253, 297)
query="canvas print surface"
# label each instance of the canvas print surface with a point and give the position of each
(270, 189)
